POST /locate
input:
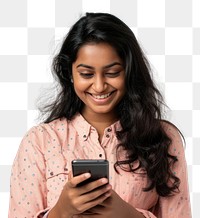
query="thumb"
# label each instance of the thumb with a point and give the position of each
(70, 175)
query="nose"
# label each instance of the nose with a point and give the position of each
(99, 84)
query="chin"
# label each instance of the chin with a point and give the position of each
(103, 111)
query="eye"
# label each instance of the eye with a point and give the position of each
(86, 75)
(112, 74)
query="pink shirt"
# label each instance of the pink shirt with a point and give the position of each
(42, 164)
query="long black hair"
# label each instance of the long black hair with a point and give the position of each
(140, 110)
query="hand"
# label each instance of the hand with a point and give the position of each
(114, 206)
(76, 200)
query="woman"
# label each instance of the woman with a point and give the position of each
(108, 108)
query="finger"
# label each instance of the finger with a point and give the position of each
(86, 202)
(97, 192)
(108, 200)
(93, 185)
(73, 182)
(87, 207)
(70, 175)
(87, 212)
(96, 210)
(87, 216)
(96, 201)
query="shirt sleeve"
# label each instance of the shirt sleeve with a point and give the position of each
(146, 213)
(178, 205)
(28, 191)
(46, 214)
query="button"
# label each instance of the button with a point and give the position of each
(107, 136)
(51, 173)
(109, 130)
(84, 136)
(100, 155)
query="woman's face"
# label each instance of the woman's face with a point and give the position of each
(99, 78)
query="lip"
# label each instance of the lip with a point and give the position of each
(99, 98)
(103, 96)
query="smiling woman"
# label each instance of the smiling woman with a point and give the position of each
(99, 81)
(109, 108)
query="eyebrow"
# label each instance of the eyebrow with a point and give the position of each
(105, 67)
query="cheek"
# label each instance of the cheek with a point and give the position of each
(121, 86)
(79, 87)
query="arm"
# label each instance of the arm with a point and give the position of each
(178, 205)
(76, 200)
(116, 207)
(28, 182)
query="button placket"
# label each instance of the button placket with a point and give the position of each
(109, 130)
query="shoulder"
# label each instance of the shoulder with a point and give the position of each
(45, 134)
(172, 131)
(177, 139)
(55, 125)
(49, 128)
(54, 134)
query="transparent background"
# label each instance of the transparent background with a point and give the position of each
(31, 31)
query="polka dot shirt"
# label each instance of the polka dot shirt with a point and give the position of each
(43, 162)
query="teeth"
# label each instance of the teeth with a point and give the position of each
(101, 96)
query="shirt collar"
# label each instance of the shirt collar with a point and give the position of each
(84, 128)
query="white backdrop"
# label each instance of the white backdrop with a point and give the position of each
(32, 30)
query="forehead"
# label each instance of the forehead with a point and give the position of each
(97, 54)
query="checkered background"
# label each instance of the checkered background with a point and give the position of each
(31, 32)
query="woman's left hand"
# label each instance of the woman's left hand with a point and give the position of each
(114, 206)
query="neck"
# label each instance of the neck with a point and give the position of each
(100, 121)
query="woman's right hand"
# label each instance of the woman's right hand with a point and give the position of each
(75, 199)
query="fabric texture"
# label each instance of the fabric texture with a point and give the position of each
(43, 162)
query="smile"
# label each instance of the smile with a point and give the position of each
(101, 96)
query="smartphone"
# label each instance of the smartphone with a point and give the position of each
(97, 168)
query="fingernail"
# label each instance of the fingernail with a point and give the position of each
(104, 180)
(87, 175)
(107, 194)
(108, 187)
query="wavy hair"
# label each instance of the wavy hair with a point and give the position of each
(142, 134)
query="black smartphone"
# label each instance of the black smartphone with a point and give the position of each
(97, 168)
